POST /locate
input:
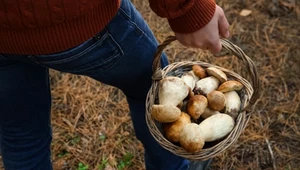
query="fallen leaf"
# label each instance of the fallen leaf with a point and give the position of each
(245, 12)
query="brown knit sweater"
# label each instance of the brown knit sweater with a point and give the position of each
(50, 26)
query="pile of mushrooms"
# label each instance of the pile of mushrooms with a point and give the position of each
(198, 107)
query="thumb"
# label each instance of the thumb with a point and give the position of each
(223, 25)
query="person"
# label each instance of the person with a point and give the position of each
(107, 40)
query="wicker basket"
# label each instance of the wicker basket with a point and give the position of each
(249, 95)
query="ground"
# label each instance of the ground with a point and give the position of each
(92, 128)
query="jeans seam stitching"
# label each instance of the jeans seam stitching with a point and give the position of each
(82, 70)
(121, 52)
(123, 11)
(98, 41)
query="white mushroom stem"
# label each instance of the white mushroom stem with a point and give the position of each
(233, 103)
(190, 79)
(206, 85)
(216, 127)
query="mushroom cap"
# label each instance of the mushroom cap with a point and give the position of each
(219, 74)
(172, 90)
(165, 113)
(172, 130)
(230, 85)
(199, 71)
(196, 106)
(216, 100)
(191, 138)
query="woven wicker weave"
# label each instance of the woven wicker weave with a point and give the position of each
(249, 95)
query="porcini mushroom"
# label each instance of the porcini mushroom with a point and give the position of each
(190, 79)
(172, 130)
(172, 91)
(233, 103)
(219, 74)
(191, 138)
(230, 85)
(216, 127)
(216, 100)
(199, 71)
(165, 113)
(196, 106)
(206, 85)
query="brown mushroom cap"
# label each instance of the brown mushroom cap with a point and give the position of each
(216, 100)
(196, 106)
(219, 74)
(165, 113)
(199, 71)
(230, 85)
(172, 130)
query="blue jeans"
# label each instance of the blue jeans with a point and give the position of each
(120, 55)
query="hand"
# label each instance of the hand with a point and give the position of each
(208, 37)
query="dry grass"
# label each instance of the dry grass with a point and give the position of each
(91, 124)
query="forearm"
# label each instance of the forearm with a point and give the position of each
(185, 16)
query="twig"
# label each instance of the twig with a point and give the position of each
(268, 144)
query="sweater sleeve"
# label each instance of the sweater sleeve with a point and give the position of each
(185, 16)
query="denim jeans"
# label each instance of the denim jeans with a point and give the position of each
(120, 55)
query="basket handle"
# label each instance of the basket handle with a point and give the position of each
(230, 47)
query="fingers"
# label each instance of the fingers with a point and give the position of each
(223, 25)
(208, 37)
(210, 42)
(216, 47)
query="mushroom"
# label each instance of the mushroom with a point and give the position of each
(165, 113)
(190, 79)
(196, 106)
(206, 85)
(208, 112)
(219, 74)
(172, 130)
(191, 138)
(216, 127)
(216, 100)
(230, 85)
(233, 103)
(199, 71)
(172, 91)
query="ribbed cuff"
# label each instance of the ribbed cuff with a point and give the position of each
(196, 18)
